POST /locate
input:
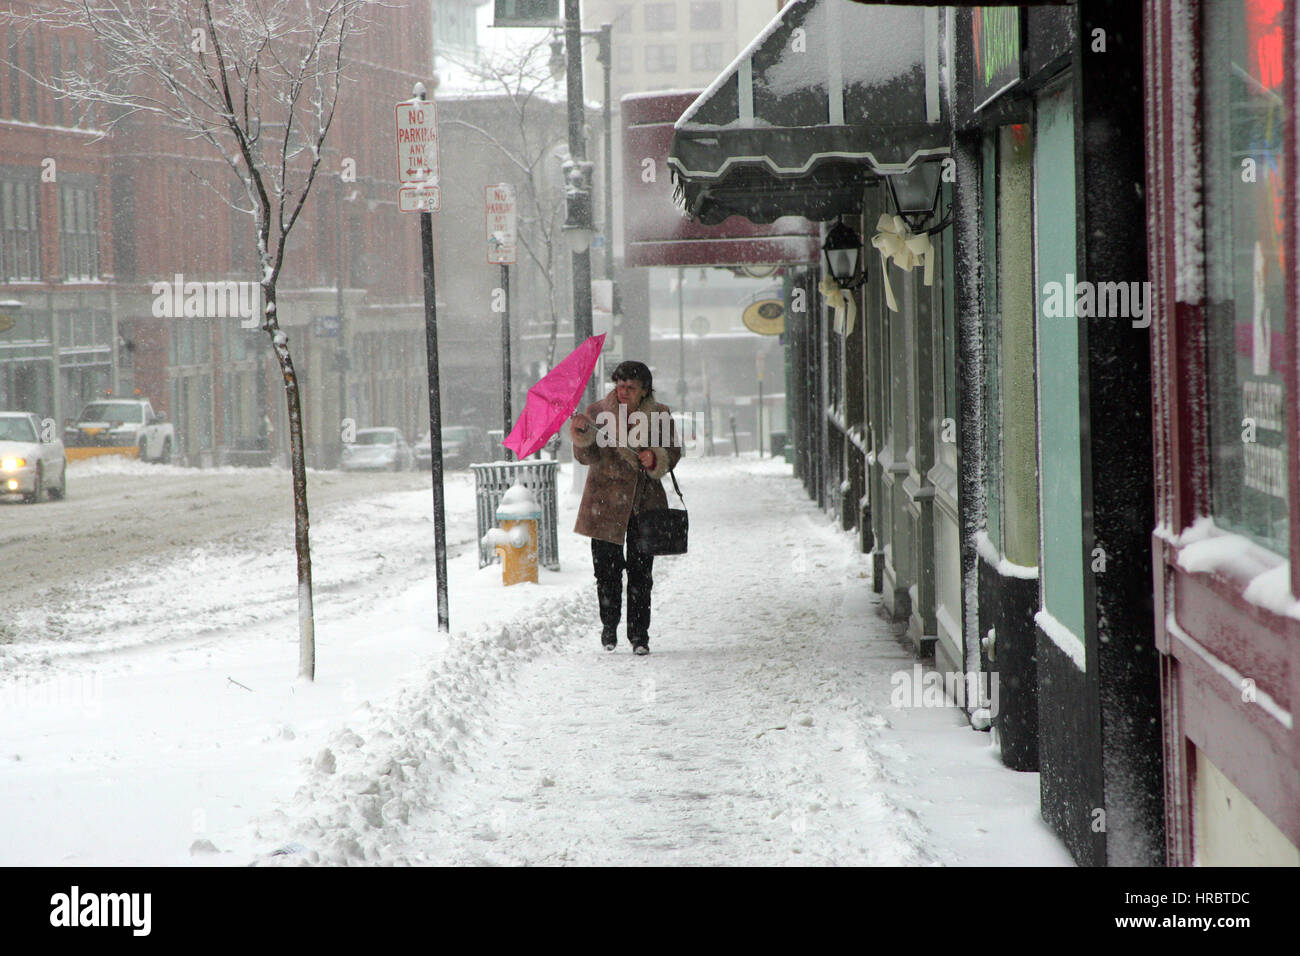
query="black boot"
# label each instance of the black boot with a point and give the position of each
(607, 562)
(609, 636)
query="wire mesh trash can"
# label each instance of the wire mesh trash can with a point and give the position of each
(493, 479)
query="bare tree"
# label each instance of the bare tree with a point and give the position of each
(258, 82)
(527, 138)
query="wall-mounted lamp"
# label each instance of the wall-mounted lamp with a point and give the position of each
(916, 195)
(843, 251)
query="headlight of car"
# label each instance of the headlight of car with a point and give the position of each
(12, 464)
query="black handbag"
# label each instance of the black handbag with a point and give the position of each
(663, 530)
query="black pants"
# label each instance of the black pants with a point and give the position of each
(609, 562)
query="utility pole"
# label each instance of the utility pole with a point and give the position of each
(577, 218)
(605, 57)
(681, 339)
(340, 354)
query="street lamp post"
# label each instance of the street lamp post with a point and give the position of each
(578, 222)
(681, 338)
(577, 218)
(340, 353)
(606, 58)
(700, 326)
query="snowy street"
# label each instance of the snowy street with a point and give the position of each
(145, 553)
(759, 730)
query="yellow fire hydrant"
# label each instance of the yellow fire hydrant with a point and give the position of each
(516, 540)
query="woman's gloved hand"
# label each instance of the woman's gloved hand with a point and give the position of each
(582, 431)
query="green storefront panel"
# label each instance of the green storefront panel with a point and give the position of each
(1062, 565)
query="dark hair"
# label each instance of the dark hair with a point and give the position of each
(634, 371)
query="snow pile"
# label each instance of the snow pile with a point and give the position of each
(132, 467)
(1271, 590)
(517, 503)
(362, 789)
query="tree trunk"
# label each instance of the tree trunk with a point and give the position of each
(302, 543)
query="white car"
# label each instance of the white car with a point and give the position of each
(377, 448)
(28, 466)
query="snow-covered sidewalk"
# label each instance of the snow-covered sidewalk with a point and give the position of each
(758, 731)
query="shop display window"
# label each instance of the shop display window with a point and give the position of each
(1246, 223)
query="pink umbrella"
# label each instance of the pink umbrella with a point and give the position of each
(552, 400)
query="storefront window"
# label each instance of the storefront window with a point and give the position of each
(1246, 73)
(1017, 387)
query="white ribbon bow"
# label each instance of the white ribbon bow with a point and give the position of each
(896, 241)
(845, 308)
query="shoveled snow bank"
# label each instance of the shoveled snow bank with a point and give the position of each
(390, 761)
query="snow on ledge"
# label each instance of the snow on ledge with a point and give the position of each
(1062, 637)
(1206, 548)
(989, 552)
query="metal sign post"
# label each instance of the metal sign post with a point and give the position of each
(499, 207)
(417, 162)
(507, 413)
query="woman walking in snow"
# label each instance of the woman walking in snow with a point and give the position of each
(629, 443)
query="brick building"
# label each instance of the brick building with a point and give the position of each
(90, 222)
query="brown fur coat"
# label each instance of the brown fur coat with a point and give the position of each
(617, 486)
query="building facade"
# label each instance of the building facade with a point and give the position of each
(1073, 377)
(1221, 136)
(94, 220)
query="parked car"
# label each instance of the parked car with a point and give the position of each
(377, 448)
(121, 425)
(462, 445)
(28, 466)
(422, 450)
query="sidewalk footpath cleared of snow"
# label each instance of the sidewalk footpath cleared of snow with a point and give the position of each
(758, 731)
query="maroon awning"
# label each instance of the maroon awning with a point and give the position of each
(982, 3)
(655, 233)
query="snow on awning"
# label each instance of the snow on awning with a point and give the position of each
(654, 231)
(830, 96)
